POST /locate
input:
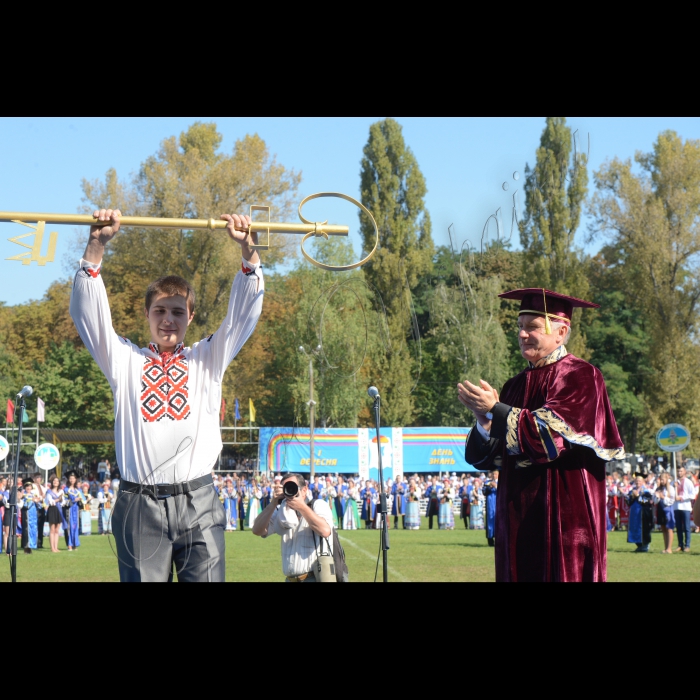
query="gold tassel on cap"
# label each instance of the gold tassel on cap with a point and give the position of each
(547, 324)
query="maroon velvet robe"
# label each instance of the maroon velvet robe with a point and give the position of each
(552, 432)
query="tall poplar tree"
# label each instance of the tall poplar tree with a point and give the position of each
(393, 188)
(555, 192)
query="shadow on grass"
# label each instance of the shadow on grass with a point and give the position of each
(454, 544)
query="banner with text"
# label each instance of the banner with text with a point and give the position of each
(354, 451)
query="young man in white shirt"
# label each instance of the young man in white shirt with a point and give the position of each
(685, 494)
(166, 407)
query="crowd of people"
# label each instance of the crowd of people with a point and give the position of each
(61, 507)
(643, 503)
(355, 501)
(639, 503)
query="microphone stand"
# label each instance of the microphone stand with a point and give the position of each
(382, 495)
(12, 536)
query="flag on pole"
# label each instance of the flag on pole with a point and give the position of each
(40, 415)
(238, 413)
(251, 408)
(25, 417)
(223, 410)
(10, 411)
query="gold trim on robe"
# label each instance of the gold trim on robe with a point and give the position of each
(559, 426)
(553, 357)
(512, 443)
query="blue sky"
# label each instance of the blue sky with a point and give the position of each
(465, 162)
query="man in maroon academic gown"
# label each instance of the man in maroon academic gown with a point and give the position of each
(550, 432)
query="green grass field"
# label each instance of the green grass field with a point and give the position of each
(421, 555)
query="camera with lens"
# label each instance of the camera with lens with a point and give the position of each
(290, 488)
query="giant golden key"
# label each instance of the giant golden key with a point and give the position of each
(307, 228)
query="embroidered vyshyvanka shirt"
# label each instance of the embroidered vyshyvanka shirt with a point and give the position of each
(166, 405)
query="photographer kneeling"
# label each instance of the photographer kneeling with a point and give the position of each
(300, 527)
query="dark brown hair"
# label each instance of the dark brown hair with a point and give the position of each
(171, 286)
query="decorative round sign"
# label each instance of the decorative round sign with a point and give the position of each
(4, 448)
(673, 437)
(47, 456)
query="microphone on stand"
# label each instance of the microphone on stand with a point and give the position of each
(373, 392)
(12, 535)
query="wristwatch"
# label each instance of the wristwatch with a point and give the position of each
(489, 415)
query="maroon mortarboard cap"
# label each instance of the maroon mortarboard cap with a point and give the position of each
(543, 302)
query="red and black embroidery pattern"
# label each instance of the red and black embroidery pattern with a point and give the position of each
(164, 387)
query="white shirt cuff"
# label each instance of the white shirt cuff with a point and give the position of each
(93, 266)
(483, 432)
(250, 265)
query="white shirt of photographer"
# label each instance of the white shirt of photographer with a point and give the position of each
(298, 551)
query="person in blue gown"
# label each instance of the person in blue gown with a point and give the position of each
(368, 496)
(446, 518)
(230, 500)
(640, 500)
(398, 504)
(105, 501)
(30, 517)
(85, 509)
(490, 490)
(341, 490)
(74, 502)
(477, 501)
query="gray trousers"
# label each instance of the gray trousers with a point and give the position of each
(182, 534)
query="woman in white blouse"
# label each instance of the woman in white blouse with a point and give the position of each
(664, 498)
(351, 517)
(54, 498)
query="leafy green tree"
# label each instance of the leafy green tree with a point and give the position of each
(650, 221)
(393, 188)
(498, 261)
(464, 328)
(465, 341)
(75, 391)
(618, 339)
(10, 377)
(326, 310)
(555, 192)
(27, 331)
(189, 178)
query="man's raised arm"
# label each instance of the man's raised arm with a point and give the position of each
(89, 306)
(245, 301)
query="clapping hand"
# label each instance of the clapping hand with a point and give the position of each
(479, 399)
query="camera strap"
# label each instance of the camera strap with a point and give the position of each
(329, 553)
(319, 551)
